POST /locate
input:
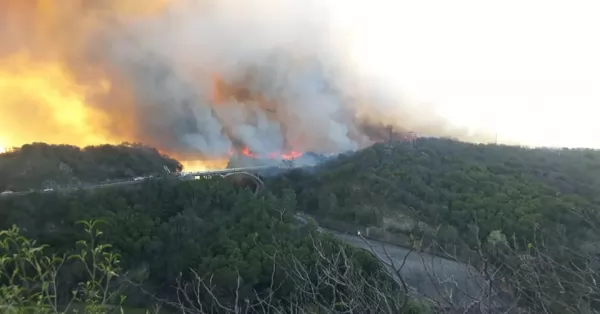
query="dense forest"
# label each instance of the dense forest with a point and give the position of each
(39, 165)
(524, 219)
(465, 198)
(170, 235)
(498, 187)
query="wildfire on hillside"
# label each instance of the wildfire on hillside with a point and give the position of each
(272, 155)
(216, 164)
(204, 165)
(184, 76)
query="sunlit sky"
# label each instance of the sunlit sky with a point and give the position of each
(529, 70)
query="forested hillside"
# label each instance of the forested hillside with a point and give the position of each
(497, 187)
(524, 219)
(41, 165)
(461, 198)
(173, 237)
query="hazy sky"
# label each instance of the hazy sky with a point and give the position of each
(528, 69)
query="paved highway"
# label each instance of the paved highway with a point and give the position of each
(182, 176)
(89, 187)
(427, 275)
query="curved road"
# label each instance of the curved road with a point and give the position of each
(428, 275)
(89, 187)
(181, 176)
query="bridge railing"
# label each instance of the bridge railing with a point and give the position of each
(223, 171)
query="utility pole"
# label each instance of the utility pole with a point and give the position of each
(411, 137)
(388, 148)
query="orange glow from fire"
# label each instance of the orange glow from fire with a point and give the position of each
(285, 156)
(291, 155)
(221, 91)
(204, 165)
(42, 102)
(52, 94)
(44, 98)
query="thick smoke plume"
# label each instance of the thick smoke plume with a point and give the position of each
(262, 74)
(200, 78)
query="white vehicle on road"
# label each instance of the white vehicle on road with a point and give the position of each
(139, 179)
(48, 190)
(6, 192)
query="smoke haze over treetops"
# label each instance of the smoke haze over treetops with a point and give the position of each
(196, 78)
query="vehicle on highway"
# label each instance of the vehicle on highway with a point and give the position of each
(48, 190)
(6, 192)
(139, 179)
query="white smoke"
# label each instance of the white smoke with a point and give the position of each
(287, 51)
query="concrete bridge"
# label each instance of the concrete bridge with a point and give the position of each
(222, 172)
(245, 173)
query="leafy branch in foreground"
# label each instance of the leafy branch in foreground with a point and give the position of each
(29, 278)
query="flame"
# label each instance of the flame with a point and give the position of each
(47, 91)
(222, 91)
(204, 165)
(273, 155)
(51, 93)
(291, 155)
(209, 165)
